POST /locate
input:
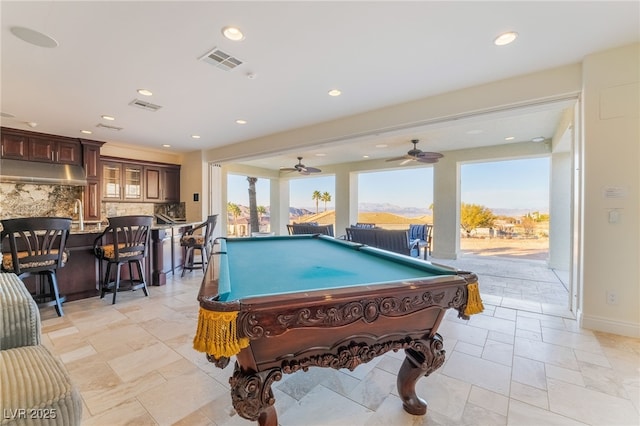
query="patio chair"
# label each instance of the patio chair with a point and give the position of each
(305, 228)
(422, 233)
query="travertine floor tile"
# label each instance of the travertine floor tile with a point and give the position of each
(521, 362)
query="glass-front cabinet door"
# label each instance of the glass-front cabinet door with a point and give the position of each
(121, 181)
(132, 182)
(111, 180)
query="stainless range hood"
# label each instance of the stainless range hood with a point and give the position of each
(16, 171)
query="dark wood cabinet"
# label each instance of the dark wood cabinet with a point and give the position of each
(171, 181)
(52, 150)
(167, 253)
(121, 181)
(14, 147)
(91, 158)
(152, 185)
(132, 180)
(30, 146)
(93, 190)
(162, 183)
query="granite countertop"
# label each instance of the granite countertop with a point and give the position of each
(98, 228)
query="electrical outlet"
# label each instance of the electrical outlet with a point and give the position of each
(612, 297)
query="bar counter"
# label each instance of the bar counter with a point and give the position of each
(80, 277)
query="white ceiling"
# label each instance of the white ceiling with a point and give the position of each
(377, 53)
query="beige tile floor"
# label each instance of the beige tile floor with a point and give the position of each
(524, 361)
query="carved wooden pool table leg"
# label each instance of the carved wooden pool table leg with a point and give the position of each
(252, 397)
(422, 359)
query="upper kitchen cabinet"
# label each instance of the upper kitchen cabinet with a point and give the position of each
(91, 158)
(15, 147)
(51, 150)
(93, 191)
(162, 183)
(133, 180)
(121, 181)
(30, 146)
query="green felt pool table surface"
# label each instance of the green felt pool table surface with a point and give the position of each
(252, 267)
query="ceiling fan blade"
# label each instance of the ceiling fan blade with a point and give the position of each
(288, 169)
(404, 157)
(430, 155)
(312, 170)
(303, 172)
(427, 160)
(408, 160)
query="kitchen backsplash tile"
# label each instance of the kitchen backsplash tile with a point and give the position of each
(29, 200)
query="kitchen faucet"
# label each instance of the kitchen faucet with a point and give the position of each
(79, 209)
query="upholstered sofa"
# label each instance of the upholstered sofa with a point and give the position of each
(35, 387)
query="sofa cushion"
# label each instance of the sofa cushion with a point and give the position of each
(19, 314)
(33, 380)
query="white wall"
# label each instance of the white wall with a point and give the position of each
(193, 177)
(611, 183)
(113, 149)
(609, 81)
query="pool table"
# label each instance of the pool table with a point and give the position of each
(286, 303)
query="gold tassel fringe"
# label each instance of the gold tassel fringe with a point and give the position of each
(474, 302)
(217, 334)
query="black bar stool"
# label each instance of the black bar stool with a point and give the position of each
(37, 247)
(202, 242)
(124, 241)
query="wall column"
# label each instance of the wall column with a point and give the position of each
(280, 206)
(560, 198)
(346, 200)
(446, 209)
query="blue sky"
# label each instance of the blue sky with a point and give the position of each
(513, 184)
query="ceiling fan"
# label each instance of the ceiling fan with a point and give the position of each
(301, 168)
(418, 155)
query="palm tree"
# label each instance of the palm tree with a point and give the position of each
(262, 210)
(234, 209)
(325, 197)
(316, 196)
(254, 224)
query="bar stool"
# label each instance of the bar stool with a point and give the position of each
(124, 241)
(37, 248)
(201, 242)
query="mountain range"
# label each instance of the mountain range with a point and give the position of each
(397, 210)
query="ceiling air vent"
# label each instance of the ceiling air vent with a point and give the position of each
(144, 105)
(220, 59)
(104, 126)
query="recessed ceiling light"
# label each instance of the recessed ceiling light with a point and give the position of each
(505, 38)
(195, 136)
(538, 139)
(33, 37)
(509, 138)
(86, 132)
(382, 145)
(334, 92)
(365, 156)
(241, 121)
(321, 154)
(145, 92)
(108, 117)
(233, 33)
(166, 145)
